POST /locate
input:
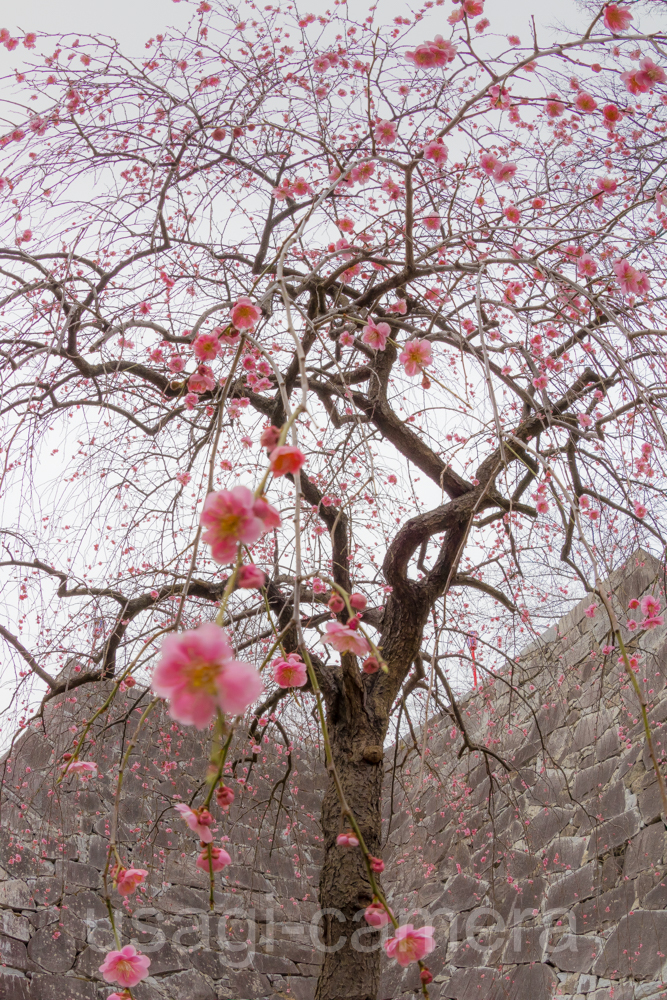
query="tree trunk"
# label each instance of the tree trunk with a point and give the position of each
(351, 969)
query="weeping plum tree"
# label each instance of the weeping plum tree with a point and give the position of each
(345, 335)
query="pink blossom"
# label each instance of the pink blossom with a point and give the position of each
(183, 478)
(585, 420)
(286, 459)
(245, 314)
(175, 364)
(224, 796)
(347, 839)
(218, 860)
(585, 103)
(123, 995)
(127, 880)
(126, 967)
(301, 188)
(251, 577)
(400, 307)
(358, 601)
(385, 133)
(336, 603)
(190, 400)
(321, 64)
(345, 640)
(432, 222)
(631, 625)
(488, 162)
(155, 594)
(590, 610)
(318, 586)
(554, 107)
(203, 380)
(410, 945)
(346, 339)
(541, 382)
(634, 603)
(198, 674)
(640, 509)
(289, 671)
(650, 606)
(270, 437)
(377, 864)
(612, 115)
(199, 821)
(206, 347)
(512, 214)
(439, 52)
(629, 278)
(542, 506)
(504, 172)
(415, 356)
(84, 767)
(371, 665)
(375, 335)
(376, 915)
(586, 266)
(616, 17)
(233, 516)
(436, 152)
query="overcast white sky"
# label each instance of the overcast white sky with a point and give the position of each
(132, 22)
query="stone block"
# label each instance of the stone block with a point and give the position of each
(75, 873)
(636, 947)
(565, 854)
(46, 987)
(248, 984)
(14, 987)
(602, 910)
(15, 894)
(613, 833)
(525, 945)
(461, 893)
(650, 803)
(573, 888)
(656, 899)
(53, 950)
(13, 953)
(574, 952)
(545, 826)
(645, 851)
(14, 926)
(480, 983)
(188, 985)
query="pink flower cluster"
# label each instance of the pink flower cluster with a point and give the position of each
(127, 879)
(126, 967)
(245, 314)
(376, 915)
(650, 607)
(289, 671)
(233, 516)
(616, 17)
(630, 280)
(415, 356)
(641, 80)
(345, 638)
(215, 861)
(410, 945)
(347, 839)
(199, 821)
(439, 52)
(198, 674)
(375, 335)
(501, 171)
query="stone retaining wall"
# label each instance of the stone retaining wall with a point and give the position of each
(543, 871)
